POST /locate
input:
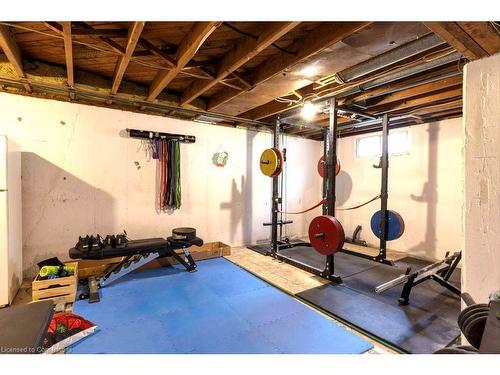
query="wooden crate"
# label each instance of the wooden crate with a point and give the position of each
(96, 267)
(61, 289)
(207, 251)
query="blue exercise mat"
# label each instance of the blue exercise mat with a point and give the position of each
(221, 308)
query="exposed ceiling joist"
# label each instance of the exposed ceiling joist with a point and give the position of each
(456, 37)
(156, 51)
(134, 33)
(404, 84)
(55, 27)
(484, 33)
(274, 107)
(110, 33)
(68, 51)
(242, 52)
(109, 42)
(187, 49)
(416, 91)
(316, 40)
(454, 92)
(13, 53)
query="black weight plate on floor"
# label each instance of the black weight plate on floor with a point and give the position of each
(468, 348)
(454, 350)
(470, 310)
(473, 331)
(476, 314)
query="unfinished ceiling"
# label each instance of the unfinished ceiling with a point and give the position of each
(249, 72)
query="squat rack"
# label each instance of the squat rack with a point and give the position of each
(330, 135)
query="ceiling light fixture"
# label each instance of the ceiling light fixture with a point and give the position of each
(310, 71)
(309, 110)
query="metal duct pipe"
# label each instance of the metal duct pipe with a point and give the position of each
(393, 56)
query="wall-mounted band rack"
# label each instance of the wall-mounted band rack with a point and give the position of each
(147, 134)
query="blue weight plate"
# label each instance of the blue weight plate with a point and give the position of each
(395, 225)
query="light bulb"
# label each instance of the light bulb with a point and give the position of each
(309, 111)
(310, 71)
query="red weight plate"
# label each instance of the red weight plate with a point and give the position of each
(280, 166)
(326, 234)
(321, 163)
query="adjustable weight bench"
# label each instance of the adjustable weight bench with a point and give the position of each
(135, 253)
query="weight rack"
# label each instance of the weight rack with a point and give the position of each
(330, 136)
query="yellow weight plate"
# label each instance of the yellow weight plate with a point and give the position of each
(270, 162)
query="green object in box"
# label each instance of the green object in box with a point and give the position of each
(47, 271)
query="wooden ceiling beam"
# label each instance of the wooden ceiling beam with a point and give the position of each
(110, 33)
(274, 107)
(55, 27)
(456, 37)
(428, 100)
(134, 33)
(484, 34)
(187, 49)
(109, 42)
(242, 80)
(400, 85)
(68, 51)
(323, 36)
(13, 53)
(240, 54)
(156, 51)
(416, 91)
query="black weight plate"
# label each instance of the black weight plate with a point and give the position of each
(469, 310)
(453, 350)
(476, 314)
(473, 331)
(184, 233)
(468, 348)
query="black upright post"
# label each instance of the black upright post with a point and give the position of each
(384, 164)
(326, 147)
(330, 150)
(275, 197)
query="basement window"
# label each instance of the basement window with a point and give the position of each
(399, 144)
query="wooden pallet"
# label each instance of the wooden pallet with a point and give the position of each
(60, 289)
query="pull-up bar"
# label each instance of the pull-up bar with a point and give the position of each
(148, 134)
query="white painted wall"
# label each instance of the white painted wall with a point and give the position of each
(79, 177)
(481, 128)
(425, 187)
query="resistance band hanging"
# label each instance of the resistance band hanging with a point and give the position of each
(165, 147)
